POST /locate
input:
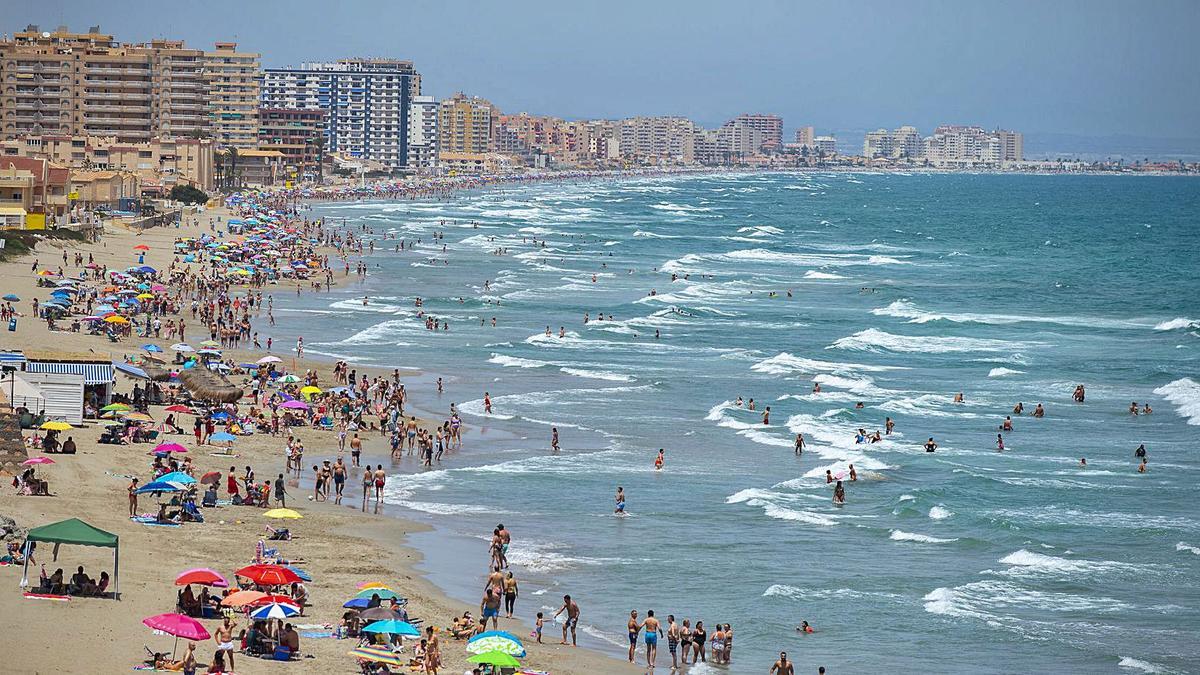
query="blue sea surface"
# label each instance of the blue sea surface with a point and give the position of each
(896, 291)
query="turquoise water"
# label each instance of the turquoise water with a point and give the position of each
(905, 290)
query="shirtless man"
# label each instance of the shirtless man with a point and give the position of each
(783, 666)
(223, 636)
(620, 499)
(930, 446)
(355, 449)
(554, 439)
(799, 444)
(505, 540)
(572, 609)
(653, 632)
(673, 641)
(633, 628)
(380, 476)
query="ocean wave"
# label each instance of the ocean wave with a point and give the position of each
(984, 599)
(817, 594)
(1028, 563)
(1184, 394)
(671, 207)
(768, 502)
(927, 405)
(1177, 323)
(1139, 665)
(901, 535)
(940, 512)
(516, 362)
(1003, 372)
(654, 235)
(875, 340)
(785, 363)
(813, 274)
(1184, 547)
(904, 309)
(598, 374)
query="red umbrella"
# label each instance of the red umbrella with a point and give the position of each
(201, 575)
(269, 575)
(213, 477)
(179, 409)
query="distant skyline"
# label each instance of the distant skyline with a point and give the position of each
(1090, 69)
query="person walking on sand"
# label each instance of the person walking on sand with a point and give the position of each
(380, 477)
(280, 491)
(653, 632)
(489, 607)
(368, 481)
(133, 498)
(510, 594)
(634, 627)
(572, 609)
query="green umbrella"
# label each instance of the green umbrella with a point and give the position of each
(383, 593)
(498, 659)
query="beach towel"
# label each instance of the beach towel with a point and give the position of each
(47, 596)
(316, 634)
(151, 521)
(312, 626)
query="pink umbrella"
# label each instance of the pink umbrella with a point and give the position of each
(37, 460)
(178, 625)
(169, 447)
(158, 288)
(298, 405)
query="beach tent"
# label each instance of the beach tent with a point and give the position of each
(75, 531)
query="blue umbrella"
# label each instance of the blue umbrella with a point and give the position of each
(222, 436)
(357, 603)
(176, 477)
(158, 486)
(220, 415)
(392, 627)
(131, 370)
(274, 610)
(152, 348)
(12, 298)
(146, 269)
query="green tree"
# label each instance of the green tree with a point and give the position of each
(188, 194)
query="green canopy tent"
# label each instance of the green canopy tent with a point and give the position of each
(74, 531)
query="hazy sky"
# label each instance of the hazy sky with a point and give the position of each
(1091, 67)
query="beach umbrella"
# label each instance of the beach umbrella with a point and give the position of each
(211, 478)
(497, 659)
(115, 319)
(270, 359)
(304, 576)
(55, 426)
(275, 610)
(145, 269)
(176, 478)
(222, 437)
(179, 409)
(496, 641)
(145, 296)
(138, 417)
(179, 626)
(289, 379)
(203, 576)
(169, 447)
(181, 347)
(37, 460)
(282, 513)
(383, 593)
(294, 405)
(269, 575)
(281, 599)
(12, 298)
(141, 247)
(379, 614)
(119, 407)
(208, 351)
(377, 655)
(372, 584)
(357, 603)
(209, 343)
(242, 598)
(392, 627)
(152, 348)
(158, 486)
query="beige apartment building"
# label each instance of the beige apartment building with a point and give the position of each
(161, 162)
(234, 84)
(465, 125)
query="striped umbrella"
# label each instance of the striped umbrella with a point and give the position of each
(496, 641)
(275, 610)
(377, 655)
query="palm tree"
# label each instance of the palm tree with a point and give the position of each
(231, 179)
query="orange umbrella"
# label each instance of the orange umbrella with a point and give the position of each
(141, 247)
(242, 598)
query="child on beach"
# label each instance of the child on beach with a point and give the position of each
(537, 631)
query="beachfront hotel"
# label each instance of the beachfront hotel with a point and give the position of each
(423, 134)
(233, 79)
(366, 103)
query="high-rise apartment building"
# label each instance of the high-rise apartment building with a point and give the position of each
(658, 139)
(904, 142)
(234, 92)
(366, 103)
(877, 143)
(299, 135)
(804, 136)
(59, 82)
(423, 133)
(466, 124)
(954, 145)
(769, 130)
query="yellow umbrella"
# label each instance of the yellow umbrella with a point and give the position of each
(55, 426)
(373, 584)
(145, 296)
(139, 417)
(282, 513)
(116, 319)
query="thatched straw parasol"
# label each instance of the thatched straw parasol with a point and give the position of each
(208, 386)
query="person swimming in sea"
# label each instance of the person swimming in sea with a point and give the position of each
(1140, 452)
(1007, 425)
(839, 494)
(1133, 408)
(828, 476)
(853, 473)
(766, 416)
(1039, 412)
(1083, 462)
(930, 446)
(999, 443)
(1146, 409)
(1142, 468)
(1018, 408)
(1079, 393)
(804, 627)
(658, 461)
(620, 499)
(799, 444)
(958, 398)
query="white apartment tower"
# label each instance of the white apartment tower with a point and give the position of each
(423, 134)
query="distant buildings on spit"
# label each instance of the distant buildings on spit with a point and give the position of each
(139, 119)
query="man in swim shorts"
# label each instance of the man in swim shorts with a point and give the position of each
(653, 631)
(783, 666)
(620, 498)
(633, 628)
(572, 609)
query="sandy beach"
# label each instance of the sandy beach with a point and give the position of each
(341, 547)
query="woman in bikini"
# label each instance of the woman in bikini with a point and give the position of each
(728, 644)
(685, 640)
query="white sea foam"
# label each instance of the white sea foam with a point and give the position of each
(901, 535)
(785, 363)
(985, 599)
(654, 235)
(1184, 547)
(516, 362)
(1177, 323)
(769, 503)
(874, 340)
(813, 274)
(598, 374)
(1003, 372)
(940, 512)
(1028, 563)
(906, 498)
(1139, 665)
(816, 594)
(905, 309)
(927, 405)
(1185, 395)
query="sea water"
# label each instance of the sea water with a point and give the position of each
(893, 291)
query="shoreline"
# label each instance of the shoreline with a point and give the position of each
(89, 485)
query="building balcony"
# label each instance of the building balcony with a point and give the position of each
(112, 120)
(101, 70)
(108, 107)
(115, 96)
(118, 84)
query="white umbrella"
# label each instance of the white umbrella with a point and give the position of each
(181, 347)
(270, 359)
